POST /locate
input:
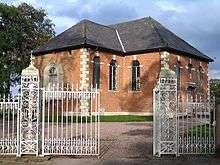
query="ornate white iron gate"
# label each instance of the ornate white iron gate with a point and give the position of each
(70, 121)
(54, 121)
(196, 127)
(181, 126)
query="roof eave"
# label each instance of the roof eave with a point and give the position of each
(83, 45)
(121, 53)
(208, 59)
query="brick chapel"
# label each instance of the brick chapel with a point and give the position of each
(123, 61)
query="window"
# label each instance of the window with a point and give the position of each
(200, 76)
(190, 66)
(113, 75)
(53, 77)
(178, 72)
(135, 75)
(96, 72)
(190, 94)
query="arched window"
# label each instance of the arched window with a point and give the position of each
(178, 74)
(200, 76)
(96, 72)
(190, 94)
(53, 76)
(113, 75)
(190, 66)
(135, 75)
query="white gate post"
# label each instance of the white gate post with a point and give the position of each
(165, 111)
(29, 111)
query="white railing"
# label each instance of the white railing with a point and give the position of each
(196, 122)
(9, 107)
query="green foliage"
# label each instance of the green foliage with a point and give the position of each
(22, 29)
(215, 88)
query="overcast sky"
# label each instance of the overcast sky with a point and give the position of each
(196, 21)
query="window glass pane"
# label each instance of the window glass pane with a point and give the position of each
(190, 94)
(135, 75)
(178, 74)
(200, 76)
(112, 75)
(96, 72)
(53, 77)
(190, 68)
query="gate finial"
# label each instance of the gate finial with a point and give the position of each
(165, 60)
(31, 70)
(166, 72)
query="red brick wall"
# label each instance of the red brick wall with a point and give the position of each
(122, 100)
(185, 76)
(69, 60)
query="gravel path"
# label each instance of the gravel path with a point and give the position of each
(126, 140)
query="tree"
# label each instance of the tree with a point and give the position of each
(22, 29)
(215, 88)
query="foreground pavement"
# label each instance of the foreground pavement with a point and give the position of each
(71, 161)
(200, 161)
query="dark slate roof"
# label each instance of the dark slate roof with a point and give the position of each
(138, 36)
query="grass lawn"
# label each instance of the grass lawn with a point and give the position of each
(125, 118)
(201, 130)
(115, 118)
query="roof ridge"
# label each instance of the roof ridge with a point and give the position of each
(134, 20)
(119, 39)
(157, 32)
(87, 20)
(84, 31)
